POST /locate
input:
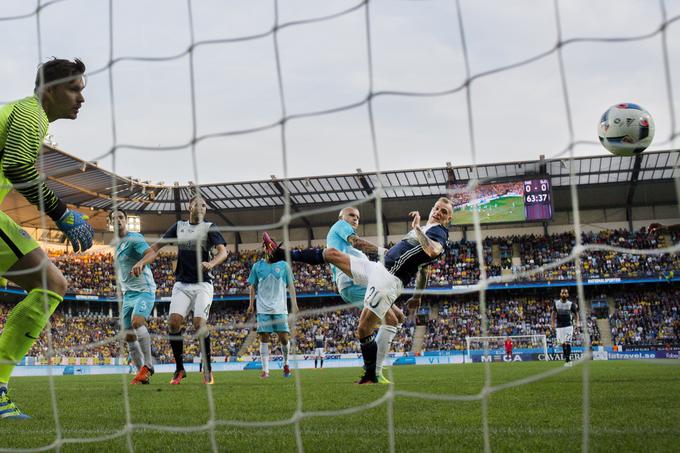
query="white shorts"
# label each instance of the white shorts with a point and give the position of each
(196, 297)
(382, 288)
(319, 353)
(564, 334)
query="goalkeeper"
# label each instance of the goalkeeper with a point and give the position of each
(23, 125)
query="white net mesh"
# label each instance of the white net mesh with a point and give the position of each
(364, 11)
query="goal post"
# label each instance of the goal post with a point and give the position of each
(493, 344)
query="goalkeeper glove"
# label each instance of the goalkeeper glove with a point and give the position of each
(73, 224)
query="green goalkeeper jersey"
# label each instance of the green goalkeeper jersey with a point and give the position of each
(23, 127)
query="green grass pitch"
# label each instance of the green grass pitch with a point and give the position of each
(635, 406)
(495, 211)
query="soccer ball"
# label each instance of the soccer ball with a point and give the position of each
(626, 129)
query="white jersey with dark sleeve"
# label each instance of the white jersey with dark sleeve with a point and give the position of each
(563, 312)
(319, 341)
(190, 238)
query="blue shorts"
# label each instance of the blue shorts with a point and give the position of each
(272, 323)
(354, 295)
(136, 303)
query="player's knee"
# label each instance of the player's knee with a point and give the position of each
(200, 326)
(137, 322)
(363, 330)
(283, 338)
(175, 323)
(330, 254)
(391, 318)
(399, 315)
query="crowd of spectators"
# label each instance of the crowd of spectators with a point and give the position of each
(639, 318)
(94, 274)
(94, 335)
(536, 251)
(646, 318)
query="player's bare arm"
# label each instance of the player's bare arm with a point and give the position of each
(293, 298)
(217, 259)
(413, 302)
(432, 248)
(150, 255)
(251, 296)
(362, 244)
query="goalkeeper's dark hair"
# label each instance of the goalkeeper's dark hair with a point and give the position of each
(196, 198)
(57, 71)
(116, 211)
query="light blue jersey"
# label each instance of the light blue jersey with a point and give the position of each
(337, 238)
(271, 285)
(129, 251)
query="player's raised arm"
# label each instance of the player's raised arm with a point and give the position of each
(431, 247)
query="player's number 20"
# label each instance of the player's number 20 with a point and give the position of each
(371, 296)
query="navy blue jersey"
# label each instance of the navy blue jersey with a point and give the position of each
(405, 258)
(186, 235)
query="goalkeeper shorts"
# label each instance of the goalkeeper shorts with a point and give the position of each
(15, 242)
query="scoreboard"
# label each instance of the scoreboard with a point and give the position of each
(537, 199)
(504, 201)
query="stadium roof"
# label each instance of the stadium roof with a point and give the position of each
(648, 180)
(84, 184)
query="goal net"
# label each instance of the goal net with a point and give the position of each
(495, 346)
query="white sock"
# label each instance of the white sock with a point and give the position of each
(284, 349)
(264, 354)
(145, 344)
(383, 339)
(136, 353)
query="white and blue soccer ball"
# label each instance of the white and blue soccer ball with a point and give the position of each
(626, 129)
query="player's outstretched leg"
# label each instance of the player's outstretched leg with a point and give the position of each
(312, 256)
